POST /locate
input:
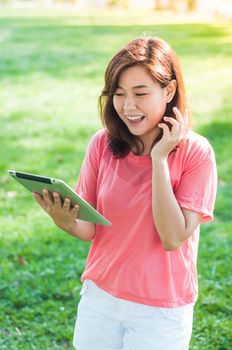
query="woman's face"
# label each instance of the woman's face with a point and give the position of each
(140, 102)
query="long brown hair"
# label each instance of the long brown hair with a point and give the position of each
(161, 62)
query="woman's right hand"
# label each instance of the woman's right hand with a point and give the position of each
(60, 211)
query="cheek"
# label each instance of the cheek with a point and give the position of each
(158, 104)
(157, 111)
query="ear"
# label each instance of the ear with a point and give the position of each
(170, 90)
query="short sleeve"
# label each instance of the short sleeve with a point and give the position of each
(198, 185)
(87, 180)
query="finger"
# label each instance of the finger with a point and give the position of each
(182, 120)
(174, 127)
(47, 197)
(39, 199)
(37, 195)
(173, 122)
(57, 200)
(75, 210)
(165, 129)
(178, 115)
(66, 204)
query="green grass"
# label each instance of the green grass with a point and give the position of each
(51, 73)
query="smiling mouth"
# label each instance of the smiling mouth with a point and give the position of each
(135, 118)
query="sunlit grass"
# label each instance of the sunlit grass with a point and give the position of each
(51, 73)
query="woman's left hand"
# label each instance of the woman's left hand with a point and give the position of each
(170, 138)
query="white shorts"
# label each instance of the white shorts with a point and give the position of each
(108, 323)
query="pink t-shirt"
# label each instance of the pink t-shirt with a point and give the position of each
(127, 259)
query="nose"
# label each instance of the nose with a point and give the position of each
(129, 104)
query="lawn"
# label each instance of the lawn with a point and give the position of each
(51, 73)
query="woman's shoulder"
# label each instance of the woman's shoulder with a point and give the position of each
(100, 137)
(98, 142)
(197, 146)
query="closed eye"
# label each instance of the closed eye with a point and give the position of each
(122, 94)
(118, 94)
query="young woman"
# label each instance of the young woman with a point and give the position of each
(155, 180)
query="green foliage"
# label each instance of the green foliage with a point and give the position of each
(51, 73)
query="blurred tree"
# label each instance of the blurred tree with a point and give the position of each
(192, 5)
(158, 5)
(85, 4)
(172, 5)
(120, 3)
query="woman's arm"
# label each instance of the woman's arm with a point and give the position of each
(64, 216)
(174, 225)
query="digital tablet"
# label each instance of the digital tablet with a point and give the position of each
(36, 183)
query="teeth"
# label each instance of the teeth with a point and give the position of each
(135, 117)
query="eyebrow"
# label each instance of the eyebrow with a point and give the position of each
(136, 87)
